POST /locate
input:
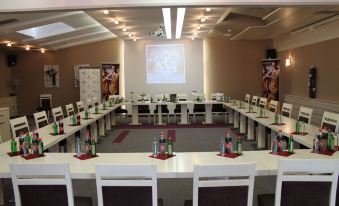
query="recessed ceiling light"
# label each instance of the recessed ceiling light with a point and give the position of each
(116, 21)
(203, 19)
(134, 39)
(229, 30)
(208, 9)
(124, 29)
(106, 12)
(166, 12)
(130, 34)
(42, 50)
(180, 21)
(195, 33)
(9, 44)
(198, 27)
(192, 38)
(27, 48)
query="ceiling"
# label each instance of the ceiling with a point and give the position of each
(234, 23)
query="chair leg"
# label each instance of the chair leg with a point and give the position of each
(168, 119)
(194, 117)
(149, 119)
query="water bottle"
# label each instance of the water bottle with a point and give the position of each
(162, 143)
(274, 144)
(297, 127)
(222, 146)
(239, 146)
(25, 149)
(170, 147)
(291, 144)
(155, 147)
(13, 146)
(86, 114)
(78, 147)
(41, 147)
(93, 148)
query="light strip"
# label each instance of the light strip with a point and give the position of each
(166, 12)
(180, 21)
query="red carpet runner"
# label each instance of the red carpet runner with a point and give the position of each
(121, 136)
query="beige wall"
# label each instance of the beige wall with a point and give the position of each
(5, 75)
(233, 67)
(324, 56)
(30, 65)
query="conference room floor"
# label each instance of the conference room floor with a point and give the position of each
(191, 138)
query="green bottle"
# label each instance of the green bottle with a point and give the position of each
(96, 110)
(110, 103)
(261, 112)
(74, 120)
(330, 141)
(28, 139)
(86, 114)
(170, 147)
(276, 118)
(14, 148)
(104, 105)
(297, 127)
(41, 147)
(93, 148)
(291, 144)
(239, 146)
(55, 128)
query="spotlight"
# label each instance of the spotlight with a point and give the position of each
(130, 34)
(9, 44)
(134, 39)
(124, 29)
(27, 48)
(198, 27)
(106, 12)
(42, 50)
(208, 9)
(203, 19)
(192, 38)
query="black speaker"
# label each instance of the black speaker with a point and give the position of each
(271, 54)
(11, 60)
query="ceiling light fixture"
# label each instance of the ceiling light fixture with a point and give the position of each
(124, 29)
(106, 12)
(27, 48)
(130, 34)
(198, 27)
(116, 21)
(208, 9)
(192, 38)
(195, 33)
(203, 19)
(229, 30)
(42, 50)
(9, 44)
(166, 12)
(134, 39)
(180, 21)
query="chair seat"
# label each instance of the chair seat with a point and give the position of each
(266, 200)
(82, 201)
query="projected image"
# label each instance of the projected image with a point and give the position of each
(165, 63)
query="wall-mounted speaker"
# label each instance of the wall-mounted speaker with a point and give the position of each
(11, 60)
(271, 54)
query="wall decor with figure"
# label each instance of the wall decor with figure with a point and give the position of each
(51, 75)
(109, 80)
(270, 78)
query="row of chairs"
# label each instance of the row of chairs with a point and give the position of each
(330, 120)
(212, 184)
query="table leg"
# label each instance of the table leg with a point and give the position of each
(94, 130)
(113, 118)
(208, 114)
(102, 131)
(160, 115)
(261, 137)
(135, 115)
(183, 114)
(242, 124)
(230, 116)
(71, 143)
(108, 122)
(236, 120)
(250, 129)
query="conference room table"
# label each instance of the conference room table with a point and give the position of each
(238, 116)
(183, 115)
(179, 166)
(105, 118)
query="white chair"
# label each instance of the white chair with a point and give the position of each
(302, 171)
(182, 97)
(80, 106)
(128, 176)
(255, 100)
(144, 110)
(331, 121)
(41, 174)
(247, 98)
(177, 109)
(273, 107)
(57, 114)
(262, 102)
(40, 119)
(69, 110)
(46, 102)
(217, 96)
(305, 115)
(227, 175)
(19, 125)
(286, 110)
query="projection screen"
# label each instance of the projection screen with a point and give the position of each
(165, 63)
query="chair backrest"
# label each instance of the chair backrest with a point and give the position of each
(126, 175)
(89, 103)
(57, 114)
(262, 102)
(255, 100)
(244, 174)
(314, 170)
(182, 97)
(80, 106)
(331, 121)
(305, 114)
(247, 98)
(70, 109)
(19, 125)
(273, 106)
(46, 100)
(41, 174)
(217, 96)
(40, 119)
(286, 110)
